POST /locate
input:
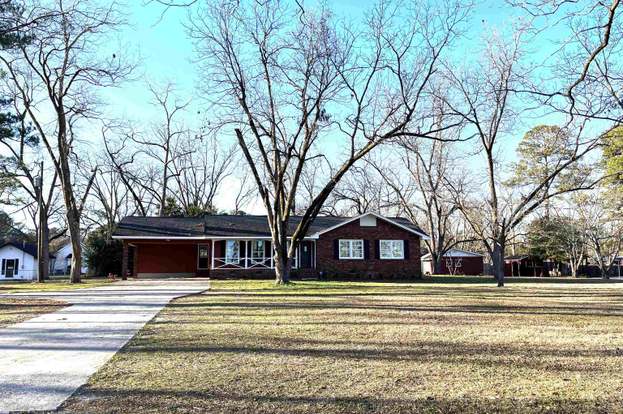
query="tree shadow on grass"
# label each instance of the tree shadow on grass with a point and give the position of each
(101, 399)
(476, 309)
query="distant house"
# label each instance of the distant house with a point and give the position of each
(369, 245)
(19, 260)
(524, 265)
(61, 264)
(456, 262)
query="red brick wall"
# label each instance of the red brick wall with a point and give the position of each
(372, 267)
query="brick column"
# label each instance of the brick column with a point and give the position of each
(124, 261)
(134, 269)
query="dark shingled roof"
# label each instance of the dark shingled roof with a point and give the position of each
(222, 226)
(30, 248)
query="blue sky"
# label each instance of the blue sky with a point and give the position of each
(165, 54)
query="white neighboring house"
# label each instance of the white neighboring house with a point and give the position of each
(61, 264)
(19, 260)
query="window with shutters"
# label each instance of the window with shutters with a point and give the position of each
(351, 249)
(392, 249)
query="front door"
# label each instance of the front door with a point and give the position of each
(9, 270)
(203, 259)
(306, 254)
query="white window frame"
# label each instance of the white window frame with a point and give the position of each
(350, 242)
(391, 249)
(232, 260)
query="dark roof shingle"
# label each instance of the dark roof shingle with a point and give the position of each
(29, 248)
(223, 226)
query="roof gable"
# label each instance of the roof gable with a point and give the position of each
(396, 221)
(229, 226)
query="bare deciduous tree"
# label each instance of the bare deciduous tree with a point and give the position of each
(603, 229)
(57, 72)
(485, 98)
(362, 190)
(587, 77)
(418, 178)
(165, 144)
(199, 174)
(289, 81)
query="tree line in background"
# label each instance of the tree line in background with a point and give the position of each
(313, 115)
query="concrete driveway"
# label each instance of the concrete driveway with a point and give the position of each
(44, 360)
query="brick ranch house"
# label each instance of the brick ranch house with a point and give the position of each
(369, 246)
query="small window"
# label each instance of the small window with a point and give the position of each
(351, 249)
(392, 249)
(232, 251)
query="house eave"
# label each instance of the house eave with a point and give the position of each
(199, 238)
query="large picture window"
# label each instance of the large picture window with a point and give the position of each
(351, 249)
(392, 249)
(232, 251)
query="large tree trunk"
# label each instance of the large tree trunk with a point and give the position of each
(43, 248)
(76, 248)
(436, 263)
(497, 259)
(283, 267)
(283, 264)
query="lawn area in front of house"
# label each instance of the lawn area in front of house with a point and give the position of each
(347, 347)
(14, 310)
(49, 285)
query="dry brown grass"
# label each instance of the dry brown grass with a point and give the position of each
(56, 284)
(372, 347)
(14, 310)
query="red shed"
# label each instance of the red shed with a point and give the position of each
(456, 262)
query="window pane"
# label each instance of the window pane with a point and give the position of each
(397, 248)
(232, 251)
(357, 249)
(385, 247)
(344, 248)
(257, 249)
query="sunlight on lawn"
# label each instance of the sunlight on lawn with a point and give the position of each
(337, 347)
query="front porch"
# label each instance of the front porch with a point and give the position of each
(206, 257)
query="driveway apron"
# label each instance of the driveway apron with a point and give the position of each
(43, 361)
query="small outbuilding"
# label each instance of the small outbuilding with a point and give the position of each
(456, 262)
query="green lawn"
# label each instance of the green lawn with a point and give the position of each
(314, 347)
(49, 285)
